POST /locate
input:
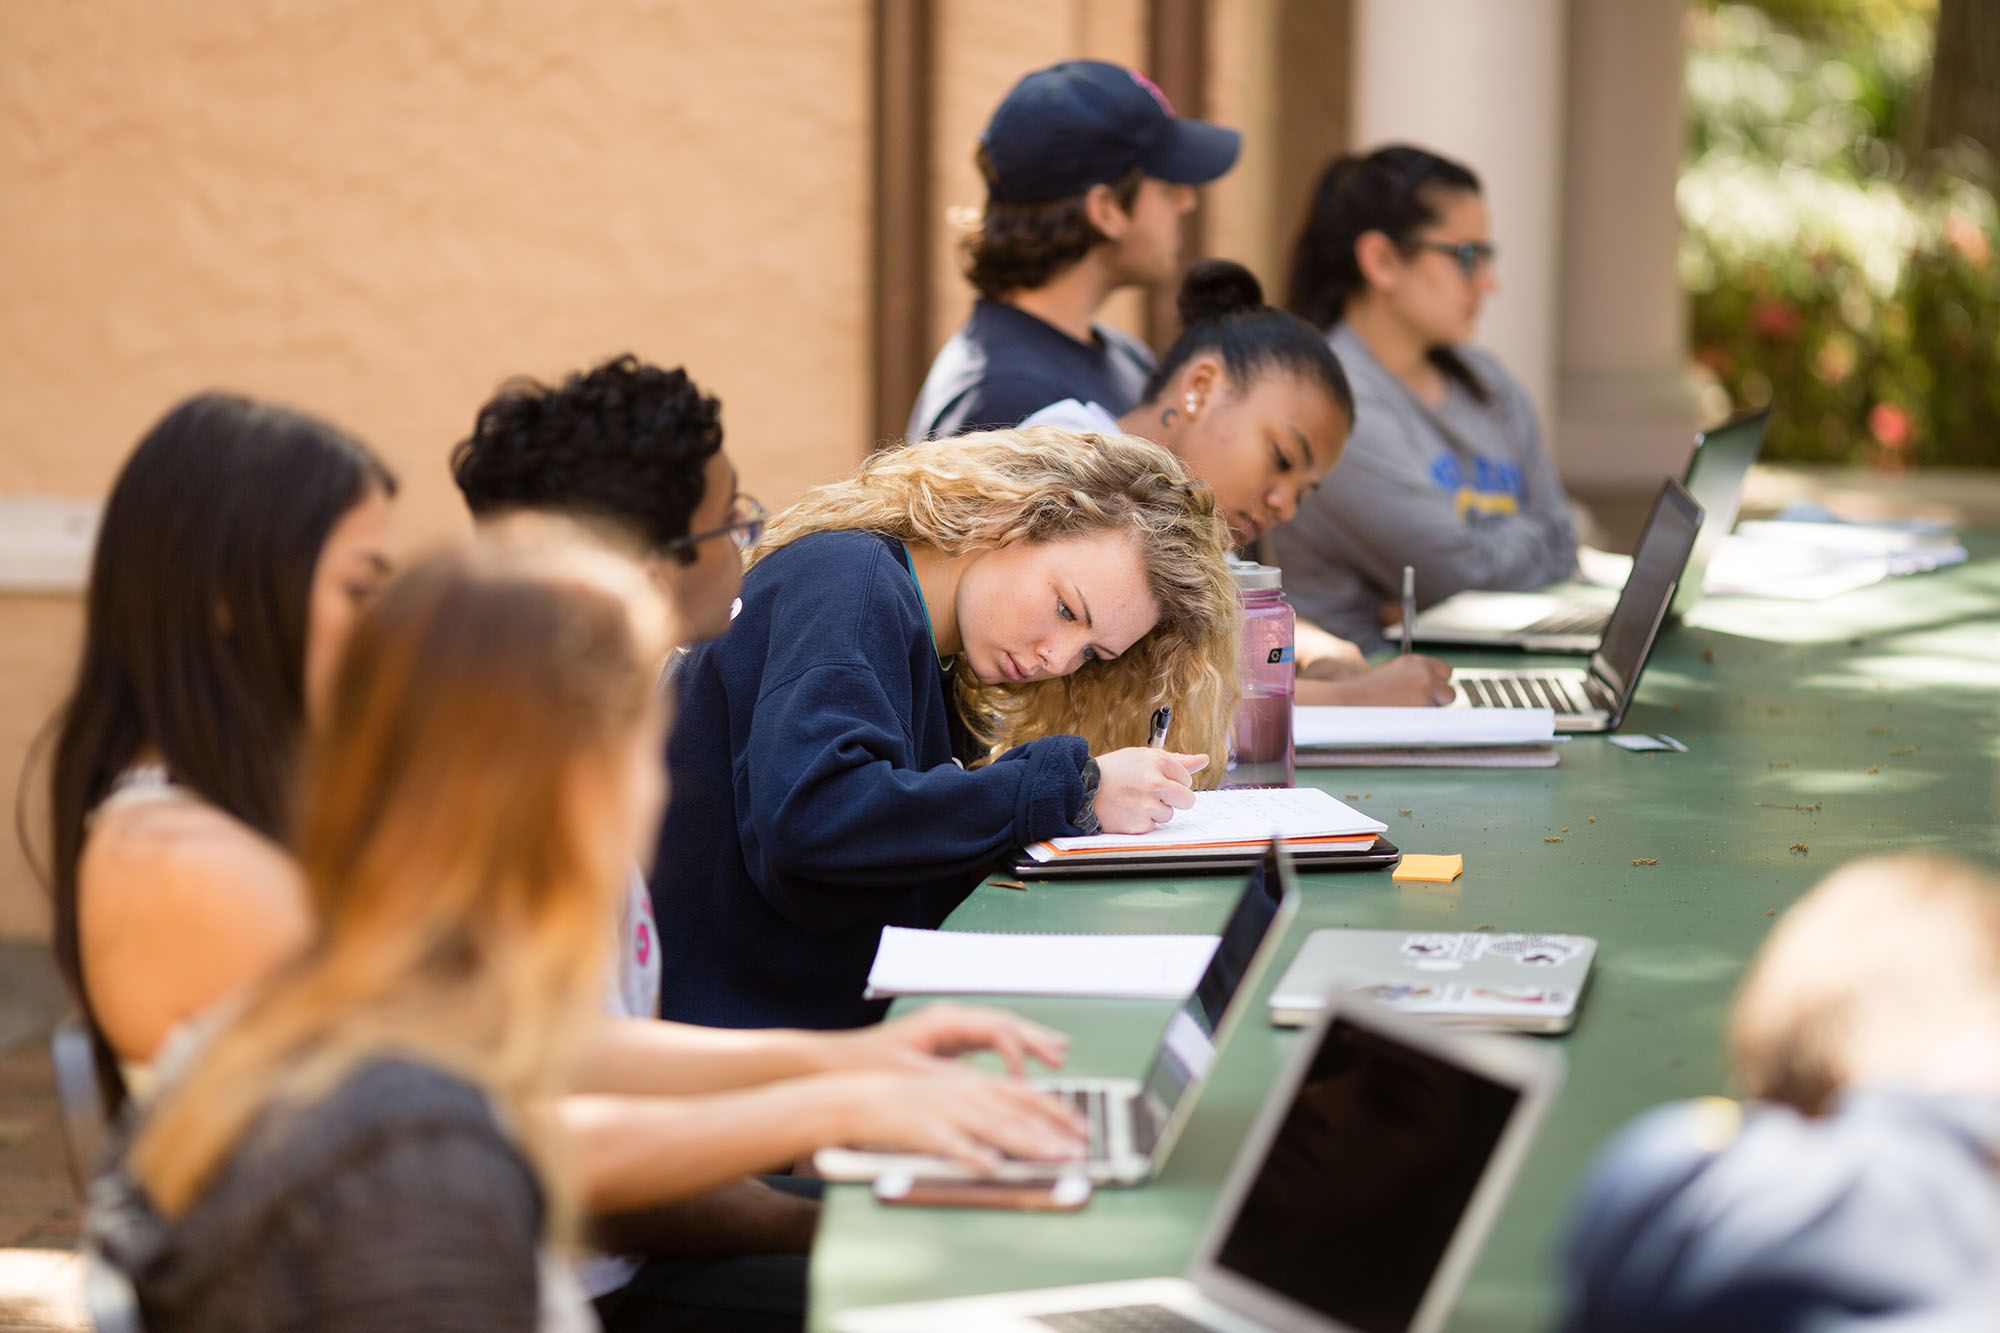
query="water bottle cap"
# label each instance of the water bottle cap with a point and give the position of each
(1253, 577)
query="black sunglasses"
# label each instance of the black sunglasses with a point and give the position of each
(745, 526)
(1471, 256)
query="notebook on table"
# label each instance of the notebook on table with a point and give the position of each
(1506, 982)
(1424, 737)
(1596, 699)
(1356, 1203)
(1569, 623)
(1135, 1122)
(1225, 831)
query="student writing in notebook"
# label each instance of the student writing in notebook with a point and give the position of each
(953, 653)
(1253, 402)
(1446, 470)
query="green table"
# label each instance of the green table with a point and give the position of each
(1817, 733)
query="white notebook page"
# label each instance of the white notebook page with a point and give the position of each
(1252, 815)
(1382, 728)
(961, 962)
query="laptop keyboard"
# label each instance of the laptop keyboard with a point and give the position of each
(1095, 1107)
(1122, 1319)
(1572, 620)
(1523, 690)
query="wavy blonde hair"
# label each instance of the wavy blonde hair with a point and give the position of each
(990, 489)
(461, 881)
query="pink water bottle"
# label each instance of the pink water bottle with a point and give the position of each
(1260, 735)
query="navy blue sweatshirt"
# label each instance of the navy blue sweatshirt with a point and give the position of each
(816, 798)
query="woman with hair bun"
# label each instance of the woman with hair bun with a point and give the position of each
(1446, 469)
(1253, 402)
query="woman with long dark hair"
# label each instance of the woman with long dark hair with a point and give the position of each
(237, 547)
(1446, 470)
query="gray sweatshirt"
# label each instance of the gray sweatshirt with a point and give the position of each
(1463, 492)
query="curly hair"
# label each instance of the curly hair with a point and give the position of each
(1019, 247)
(625, 441)
(990, 489)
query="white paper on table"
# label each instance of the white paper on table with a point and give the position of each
(1253, 814)
(1383, 728)
(956, 962)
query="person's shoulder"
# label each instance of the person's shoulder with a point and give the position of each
(829, 596)
(1504, 392)
(844, 555)
(1126, 344)
(1074, 414)
(162, 858)
(383, 1106)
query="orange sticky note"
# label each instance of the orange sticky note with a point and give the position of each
(1428, 869)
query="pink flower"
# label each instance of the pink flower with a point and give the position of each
(1890, 425)
(1775, 319)
(1962, 234)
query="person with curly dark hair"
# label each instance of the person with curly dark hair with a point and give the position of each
(1088, 174)
(634, 451)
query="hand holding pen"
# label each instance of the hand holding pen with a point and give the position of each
(1139, 789)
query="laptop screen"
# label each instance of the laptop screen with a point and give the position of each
(1661, 556)
(1715, 475)
(1367, 1179)
(1189, 1045)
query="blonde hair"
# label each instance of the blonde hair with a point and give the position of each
(461, 886)
(990, 489)
(1868, 975)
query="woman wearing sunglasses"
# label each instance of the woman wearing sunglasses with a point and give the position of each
(1445, 469)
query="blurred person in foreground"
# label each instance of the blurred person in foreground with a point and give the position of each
(1855, 1187)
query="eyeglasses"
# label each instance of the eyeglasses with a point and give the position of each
(1471, 256)
(745, 526)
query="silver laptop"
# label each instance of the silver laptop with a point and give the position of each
(1134, 1122)
(1596, 699)
(1575, 622)
(1358, 1200)
(1503, 982)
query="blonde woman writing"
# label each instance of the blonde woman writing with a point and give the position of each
(954, 652)
(374, 1142)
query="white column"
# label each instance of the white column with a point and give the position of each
(1482, 82)
(1626, 414)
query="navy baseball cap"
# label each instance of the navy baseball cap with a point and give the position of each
(1089, 122)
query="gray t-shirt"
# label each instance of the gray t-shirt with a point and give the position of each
(1464, 492)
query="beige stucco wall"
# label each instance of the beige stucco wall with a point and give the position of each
(379, 211)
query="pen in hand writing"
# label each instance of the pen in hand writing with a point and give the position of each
(1409, 608)
(1162, 716)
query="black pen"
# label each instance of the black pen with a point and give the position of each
(1161, 717)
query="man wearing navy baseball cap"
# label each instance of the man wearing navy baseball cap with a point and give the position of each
(1088, 175)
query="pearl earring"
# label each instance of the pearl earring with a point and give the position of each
(1192, 404)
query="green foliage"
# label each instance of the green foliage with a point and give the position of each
(1823, 275)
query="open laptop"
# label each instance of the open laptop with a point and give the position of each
(1573, 623)
(1596, 699)
(1357, 1201)
(1500, 981)
(1134, 1122)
